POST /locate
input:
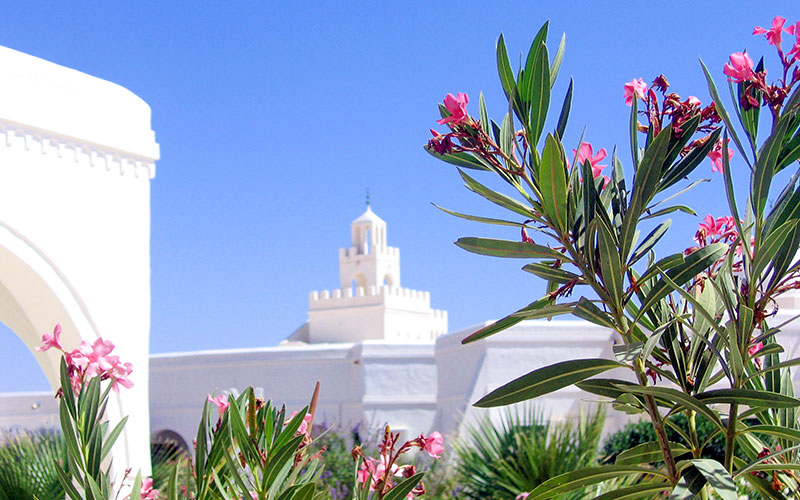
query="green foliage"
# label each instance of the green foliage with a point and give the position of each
(697, 318)
(28, 461)
(251, 449)
(525, 449)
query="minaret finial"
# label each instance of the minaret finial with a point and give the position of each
(367, 196)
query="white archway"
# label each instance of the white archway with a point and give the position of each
(76, 157)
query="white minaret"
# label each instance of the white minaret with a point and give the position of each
(370, 304)
(369, 262)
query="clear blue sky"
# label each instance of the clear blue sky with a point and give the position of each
(274, 117)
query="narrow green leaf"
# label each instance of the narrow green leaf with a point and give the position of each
(498, 198)
(553, 183)
(547, 311)
(648, 452)
(500, 325)
(680, 398)
(590, 312)
(484, 115)
(555, 67)
(606, 387)
(549, 273)
(747, 397)
(574, 480)
(634, 133)
(692, 265)
(539, 96)
(637, 492)
(610, 263)
(563, 117)
(109, 441)
(460, 159)
(507, 134)
(649, 241)
(485, 220)
(546, 380)
(403, 488)
(508, 249)
(626, 353)
(771, 245)
(504, 69)
(765, 168)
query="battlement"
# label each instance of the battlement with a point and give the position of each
(388, 295)
(352, 252)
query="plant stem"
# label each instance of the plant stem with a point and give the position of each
(730, 437)
(658, 427)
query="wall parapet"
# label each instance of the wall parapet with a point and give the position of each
(385, 294)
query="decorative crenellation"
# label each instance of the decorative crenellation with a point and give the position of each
(352, 252)
(343, 297)
(14, 136)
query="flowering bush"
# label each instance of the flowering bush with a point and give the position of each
(693, 327)
(376, 477)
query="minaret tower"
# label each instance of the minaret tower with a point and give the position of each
(369, 262)
(370, 304)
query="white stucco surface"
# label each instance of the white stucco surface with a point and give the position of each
(76, 157)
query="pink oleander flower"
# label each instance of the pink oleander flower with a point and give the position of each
(586, 152)
(303, 429)
(457, 106)
(635, 87)
(694, 101)
(376, 468)
(774, 33)
(120, 374)
(711, 227)
(522, 496)
(221, 401)
(715, 155)
(49, 340)
(433, 444)
(96, 358)
(147, 492)
(753, 349)
(740, 67)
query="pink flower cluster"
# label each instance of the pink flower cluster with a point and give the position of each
(89, 361)
(147, 492)
(457, 106)
(221, 402)
(774, 35)
(379, 472)
(715, 155)
(585, 153)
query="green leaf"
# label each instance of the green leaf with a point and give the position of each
(508, 249)
(498, 198)
(504, 69)
(626, 353)
(771, 245)
(549, 273)
(547, 311)
(507, 134)
(649, 241)
(563, 117)
(484, 115)
(485, 220)
(680, 398)
(645, 183)
(716, 475)
(546, 380)
(403, 488)
(555, 67)
(778, 431)
(460, 159)
(747, 397)
(641, 490)
(634, 133)
(590, 312)
(109, 441)
(765, 167)
(578, 479)
(648, 452)
(501, 324)
(610, 263)
(553, 183)
(538, 95)
(668, 210)
(606, 387)
(692, 265)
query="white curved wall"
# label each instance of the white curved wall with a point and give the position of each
(76, 157)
